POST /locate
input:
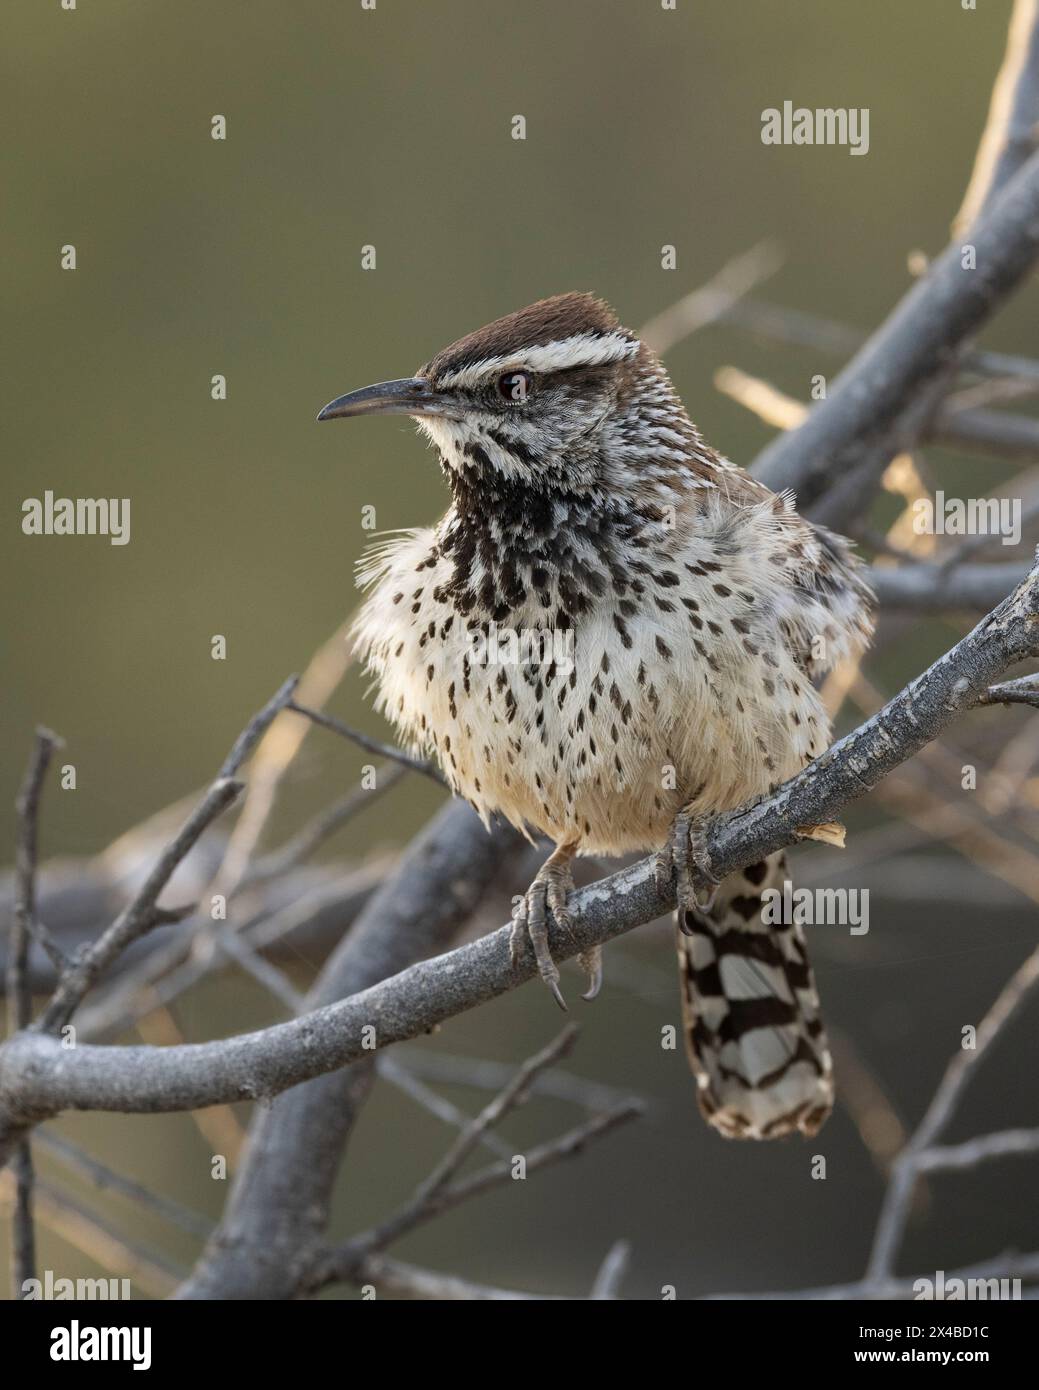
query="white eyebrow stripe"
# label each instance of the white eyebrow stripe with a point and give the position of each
(583, 350)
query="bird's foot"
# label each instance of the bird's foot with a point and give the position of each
(685, 858)
(549, 893)
(590, 962)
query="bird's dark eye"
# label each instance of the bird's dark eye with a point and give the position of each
(515, 386)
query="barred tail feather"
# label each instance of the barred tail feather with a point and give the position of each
(753, 1030)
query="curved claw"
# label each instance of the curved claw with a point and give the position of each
(684, 856)
(592, 963)
(557, 994)
(548, 892)
(520, 936)
(704, 906)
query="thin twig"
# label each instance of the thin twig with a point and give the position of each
(513, 1094)
(274, 756)
(256, 728)
(106, 1179)
(803, 329)
(394, 1276)
(143, 913)
(19, 996)
(180, 968)
(567, 1145)
(494, 1175)
(139, 916)
(145, 1268)
(487, 1075)
(429, 1196)
(895, 1210)
(371, 745)
(303, 844)
(994, 431)
(409, 1084)
(611, 1272)
(708, 303)
(443, 1190)
(1023, 691)
(273, 980)
(23, 920)
(23, 1231)
(1006, 1143)
(1007, 1266)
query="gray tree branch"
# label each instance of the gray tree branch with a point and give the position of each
(39, 1077)
(862, 420)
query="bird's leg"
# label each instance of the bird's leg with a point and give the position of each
(550, 890)
(685, 856)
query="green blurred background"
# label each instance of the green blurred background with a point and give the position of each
(243, 257)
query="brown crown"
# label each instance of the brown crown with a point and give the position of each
(547, 321)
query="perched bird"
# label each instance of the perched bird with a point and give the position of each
(683, 610)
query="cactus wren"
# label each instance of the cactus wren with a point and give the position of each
(695, 609)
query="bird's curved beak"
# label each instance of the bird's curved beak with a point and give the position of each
(411, 395)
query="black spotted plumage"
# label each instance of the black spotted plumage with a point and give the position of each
(686, 611)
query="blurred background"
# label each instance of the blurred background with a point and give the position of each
(391, 128)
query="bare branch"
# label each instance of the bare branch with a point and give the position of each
(281, 1199)
(106, 1179)
(141, 914)
(23, 1233)
(1023, 691)
(611, 1272)
(83, 1229)
(796, 326)
(393, 1276)
(268, 976)
(995, 432)
(1007, 1143)
(711, 301)
(930, 588)
(19, 996)
(275, 754)
(567, 1145)
(36, 1079)
(256, 728)
(371, 745)
(23, 920)
(403, 1077)
(325, 824)
(897, 1200)
(1012, 129)
(863, 419)
(327, 1265)
(320, 911)
(1008, 1266)
(487, 1075)
(992, 431)
(513, 1094)
(436, 1193)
